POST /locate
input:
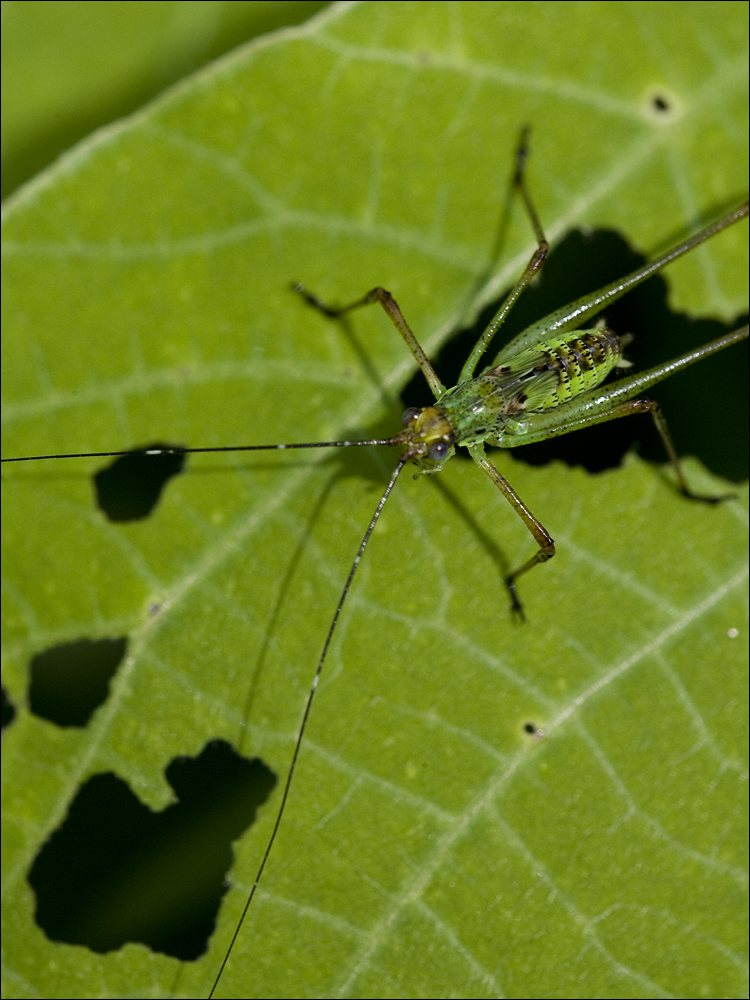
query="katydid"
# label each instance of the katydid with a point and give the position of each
(545, 383)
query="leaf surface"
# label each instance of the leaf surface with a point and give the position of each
(431, 845)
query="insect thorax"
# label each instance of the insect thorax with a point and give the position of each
(498, 403)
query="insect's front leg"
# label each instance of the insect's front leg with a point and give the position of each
(541, 536)
(395, 315)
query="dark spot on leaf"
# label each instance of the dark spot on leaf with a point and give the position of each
(130, 488)
(115, 871)
(69, 681)
(660, 103)
(531, 729)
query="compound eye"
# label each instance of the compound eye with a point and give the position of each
(409, 415)
(438, 451)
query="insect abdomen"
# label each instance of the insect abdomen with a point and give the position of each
(582, 363)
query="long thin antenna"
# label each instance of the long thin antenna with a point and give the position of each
(192, 451)
(308, 706)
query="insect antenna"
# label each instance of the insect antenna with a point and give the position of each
(308, 705)
(192, 451)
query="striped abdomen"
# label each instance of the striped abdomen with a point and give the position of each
(562, 368)
(532, 381)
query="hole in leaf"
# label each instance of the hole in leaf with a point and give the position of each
(115, 871)
(8, 709)
(69, 681)
(130, 488)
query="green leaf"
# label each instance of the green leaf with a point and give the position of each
(431, 845)
(69, 68)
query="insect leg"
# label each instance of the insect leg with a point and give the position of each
(534, 265)
(541, 536)
(634, 406)
(393, 310)
(575, 314)
(622, 399)
(650, 405)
